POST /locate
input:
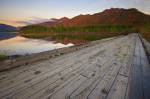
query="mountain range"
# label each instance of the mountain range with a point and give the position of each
(4, 27)
(110, 22)
(115, 16)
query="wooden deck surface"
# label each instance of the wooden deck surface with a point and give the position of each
(114, 69)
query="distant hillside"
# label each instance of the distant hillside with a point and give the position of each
(54, 22)
(7, 28)
(113, 21)
(114, 16)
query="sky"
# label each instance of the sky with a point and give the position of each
(24, 12)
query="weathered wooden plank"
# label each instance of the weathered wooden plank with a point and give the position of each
(125, 70)
(118, 90)
(69, 88)
(102, 89)
(136, 90)
(30, 90)
(129, 75)
(86, 75)
(76, 78)
(43, 78)
(84, 93)
(53, 82)
(61, 94)
(37, 66)
(93, 70)
(85, 88)
(146, 73)
(58, 68)
(18, 79)
(85, 70)
(44, 84)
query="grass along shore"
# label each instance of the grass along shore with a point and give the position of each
(3, 57)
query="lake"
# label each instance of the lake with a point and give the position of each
(17, 45)
(7, 35)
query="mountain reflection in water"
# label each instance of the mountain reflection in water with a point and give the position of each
(23, 46)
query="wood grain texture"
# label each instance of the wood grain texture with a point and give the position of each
(111, 69)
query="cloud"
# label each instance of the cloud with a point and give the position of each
(32, 20)
(23, 22)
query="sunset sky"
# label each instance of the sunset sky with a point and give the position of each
(24, 12)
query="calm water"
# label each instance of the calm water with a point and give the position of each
(18, 45)
(7, 35)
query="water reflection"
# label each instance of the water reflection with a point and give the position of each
(22, 46)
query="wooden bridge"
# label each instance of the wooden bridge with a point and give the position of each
(114, 69)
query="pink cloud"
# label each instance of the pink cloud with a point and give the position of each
(30, 20)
